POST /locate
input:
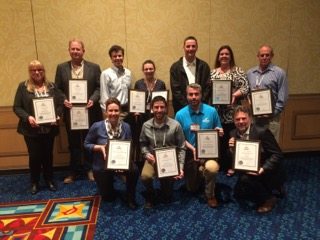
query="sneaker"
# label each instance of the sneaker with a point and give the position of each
(69, 179)
(90, 176)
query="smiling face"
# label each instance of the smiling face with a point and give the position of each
(194, 97)
(36, 72)
(113, 113)
(224, 57)
(242, 121)
(265, 55)
(190, 48)
(76, 51)
(149, 70)
(117, 58)
(159, 109)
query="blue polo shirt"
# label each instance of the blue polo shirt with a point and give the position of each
(207, 118)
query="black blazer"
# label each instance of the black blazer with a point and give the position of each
(91, 73)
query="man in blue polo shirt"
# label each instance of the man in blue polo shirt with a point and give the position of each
(193, 117)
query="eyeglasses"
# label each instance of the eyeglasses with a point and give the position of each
(264, 55)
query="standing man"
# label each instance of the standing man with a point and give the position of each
(268, 75)
(193, 117)
(78, 68)
(160, 131)
(258, 187)
(188, 69)
(115, 81)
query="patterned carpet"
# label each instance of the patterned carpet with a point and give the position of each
(295, 217)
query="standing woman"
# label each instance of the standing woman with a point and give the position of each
(148, 84)
(226, 69)
(95, 142)
(39, 138)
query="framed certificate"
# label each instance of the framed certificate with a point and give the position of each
(261, 102)
(207, 144)
(164, 94)
(247, 155)
(44, 111)
(137, 101)
(221, 91)
(79, 118)
(78, 91)
(167, 162)
(118, 155)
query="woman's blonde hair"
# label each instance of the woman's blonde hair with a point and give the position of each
(30, 83)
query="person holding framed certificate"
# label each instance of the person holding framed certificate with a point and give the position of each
(165, 133)
(194, 117)
(226, 70)
(79, 79)
(38, 137)
(99, 135)
(148, 84)
(251, 185)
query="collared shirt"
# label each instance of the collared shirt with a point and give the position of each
(169, 134)
(190, 69)
(245, 135)
(273, 78)
(207, 118)
(116, 83)
(77, 72)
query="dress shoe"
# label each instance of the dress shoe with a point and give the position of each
(148, 205)
(51, 186)
(69, 179)
(212, 202)
(90, 176)
(267, 206)
(132, 205)
(34, 188)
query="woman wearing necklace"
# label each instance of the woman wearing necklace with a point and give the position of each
(148, 84)
(38, 138)
(226, 69)
(95, 142)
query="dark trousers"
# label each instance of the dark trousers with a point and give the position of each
(40, 149)
(78, 153)
(225, 159)
(105, 178)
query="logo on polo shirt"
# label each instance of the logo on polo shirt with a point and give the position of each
(206, 120)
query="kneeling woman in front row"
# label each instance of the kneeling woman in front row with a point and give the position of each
(98, 136)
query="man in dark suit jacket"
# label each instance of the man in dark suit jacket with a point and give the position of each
(78, 68)
(188, 69)
(258, 187)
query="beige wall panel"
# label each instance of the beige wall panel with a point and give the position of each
(156, 30)
(16, 46)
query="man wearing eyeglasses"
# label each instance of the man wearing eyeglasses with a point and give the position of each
(269, 76)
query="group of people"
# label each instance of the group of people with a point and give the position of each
(191, 83)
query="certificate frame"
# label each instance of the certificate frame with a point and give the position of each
(261, 102)
(44, 111)
(247, 155)
(79, 118)
(166, 162)
(206, 139)
(137, 101)
(221, 92)
(163, 93)
(118, 155)
(78, 91)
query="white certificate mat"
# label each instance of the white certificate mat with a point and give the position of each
(79, 118)
(78, 91)
(118, 155)
(167, 162)
(44, 111)
(137, 101)
(247, 155)
(207, 144)
(221, 91)
(164, 94)
(261, 102)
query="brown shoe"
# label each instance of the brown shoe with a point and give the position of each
(90, 176)
(212, 202)
(69, 179)
(267, 206)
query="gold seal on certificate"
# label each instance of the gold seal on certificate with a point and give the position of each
(44, 110)
(79, 118)
(261, 102)
(137, 101)
(78, 91)
(167, 162)
(247, 155)
(221, 92)
(207, 144)
(118, 155)
(164, 94)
